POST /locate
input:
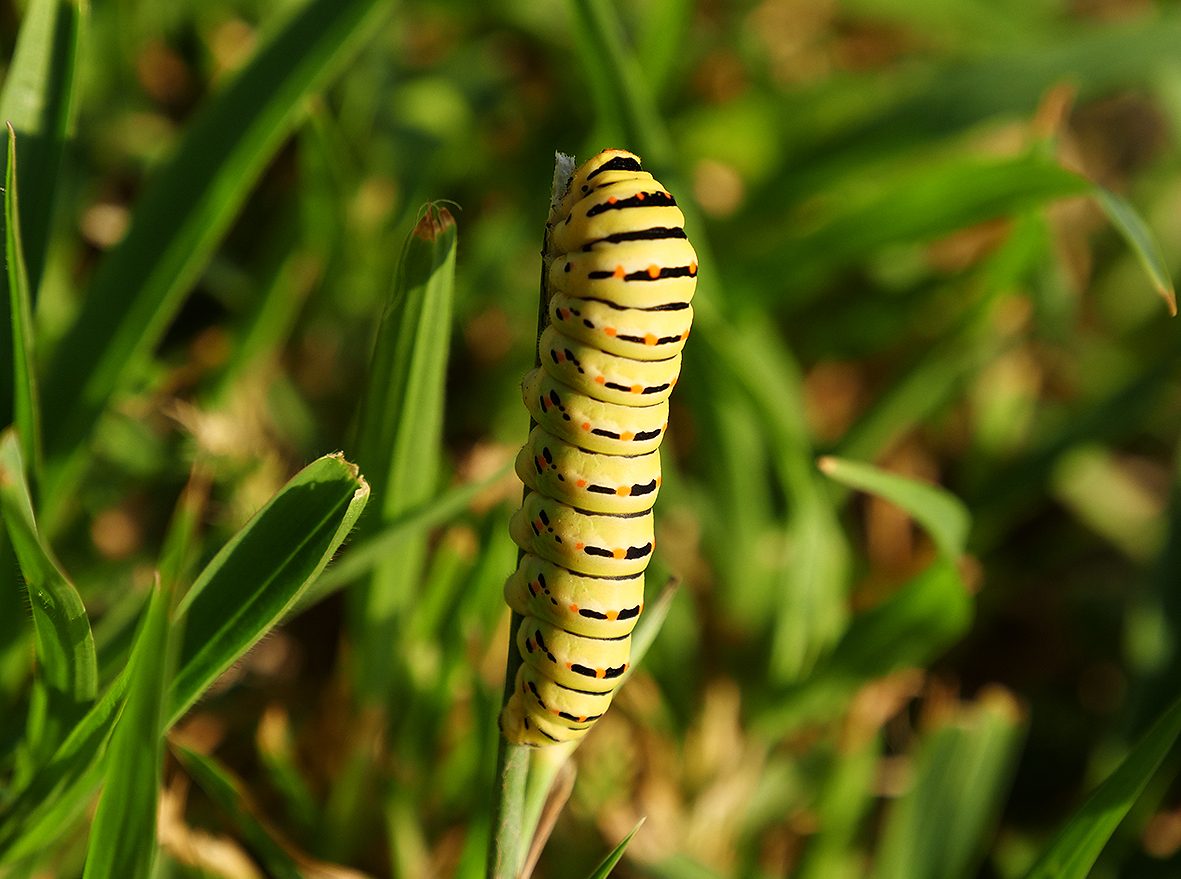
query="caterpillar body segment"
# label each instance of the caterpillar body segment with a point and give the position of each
(630, 274)
(620, 278)
(640, 334)
(575, 662)
(586, 480)
(597, 544)
(590, 424)
(609, 378)
(597, 607)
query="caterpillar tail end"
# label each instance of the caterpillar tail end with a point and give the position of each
(516, 728)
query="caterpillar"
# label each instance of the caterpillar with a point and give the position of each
(619, 277)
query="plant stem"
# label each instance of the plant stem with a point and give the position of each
(509, 841)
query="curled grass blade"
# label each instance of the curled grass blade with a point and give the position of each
(38, 101)
(1073, 852)
(186, 210)
(64, 644)
(259, 575)
(943, 515)
(122, 840)
(26, 414)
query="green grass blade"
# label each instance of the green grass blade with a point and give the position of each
(122, 841)
(1143, 243)
(38, 100)
(811, 598)
(401, 427)
(939, 827)
(229, 795)
(35, 818)
(907, 630)
(179, 554)
(65, 647)
(918, 206)
(367, 553)
(1077, 846)
(260, 574)
(26, 414)
(943, 515)
(616, 855)
(617, 82)
(186, 210)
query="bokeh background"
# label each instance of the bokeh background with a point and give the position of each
(902, 264)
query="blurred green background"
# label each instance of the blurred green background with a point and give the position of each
(904, 262)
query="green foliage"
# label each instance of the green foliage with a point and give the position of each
(123, 835)
(67, 676)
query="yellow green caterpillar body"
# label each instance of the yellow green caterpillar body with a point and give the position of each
(620, 276)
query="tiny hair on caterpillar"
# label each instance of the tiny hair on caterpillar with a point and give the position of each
(620, 275)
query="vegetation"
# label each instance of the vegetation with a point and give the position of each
(922, 492)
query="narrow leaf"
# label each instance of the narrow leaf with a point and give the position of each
(943, 515)
(123, 836)
(256, 577)
(1143, 243)
(365, 554)
(401, 428)
(608, 864)
(26, 413)
(68, 670)
(939, 827)
(229, 796)
(1073, 852)
(907, 630)
(38, 101)
(186, 210)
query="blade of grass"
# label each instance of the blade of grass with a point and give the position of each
(917, 206)
(185, 212)
(907, 630)
(617, 84)
(38, 101)
(400, 433)
(280, 858)
(938, 373)
(26, 414)
(366, 553)
(67, 668)
(260, 574)
(1077, 846)
(122, 842)
(811, 610)
(1143, 243)
(941, 513)
(939, 827)
(615, 856)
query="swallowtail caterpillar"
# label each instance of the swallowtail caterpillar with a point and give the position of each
(620, 276)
